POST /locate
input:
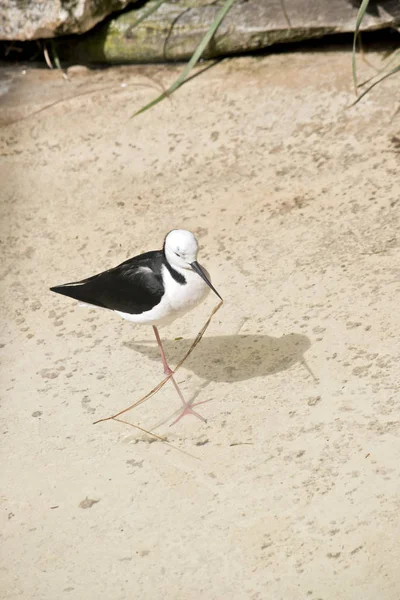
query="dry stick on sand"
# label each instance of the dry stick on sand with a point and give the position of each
(162, 383)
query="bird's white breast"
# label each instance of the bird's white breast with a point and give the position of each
(184, 297)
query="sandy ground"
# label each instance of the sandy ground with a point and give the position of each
(291, 489)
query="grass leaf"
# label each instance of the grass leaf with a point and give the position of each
(385, 76)
(360, 16)
(148, 12)
(392, 57)
(194, 59)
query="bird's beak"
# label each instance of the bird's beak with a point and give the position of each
(196, 267)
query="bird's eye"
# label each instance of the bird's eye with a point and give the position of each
(176, 254)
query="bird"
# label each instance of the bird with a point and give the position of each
(153, 288)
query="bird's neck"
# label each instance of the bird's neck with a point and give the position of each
(176, 273)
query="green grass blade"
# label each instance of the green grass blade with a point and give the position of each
(392, 72)
(360, 16)
(55, 55)
(194, 59)
(56, 60)
(148, 12)
(392, 57)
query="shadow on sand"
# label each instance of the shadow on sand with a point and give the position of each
(231, 358)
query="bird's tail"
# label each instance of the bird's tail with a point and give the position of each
(78, 291)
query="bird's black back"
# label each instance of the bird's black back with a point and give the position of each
(130, 287)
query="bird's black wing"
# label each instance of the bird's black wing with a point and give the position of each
(135, 286)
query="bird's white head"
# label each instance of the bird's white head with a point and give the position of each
(181, 248)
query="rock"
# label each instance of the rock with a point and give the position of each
(173, 31)
(77, 70)
(30, 20)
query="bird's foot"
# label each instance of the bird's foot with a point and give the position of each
(188, 410)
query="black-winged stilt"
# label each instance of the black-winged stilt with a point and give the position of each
(154, 288)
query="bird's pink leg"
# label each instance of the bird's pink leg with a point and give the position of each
(187, 408)
(167, 370)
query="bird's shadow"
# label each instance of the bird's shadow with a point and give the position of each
(229, 358)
